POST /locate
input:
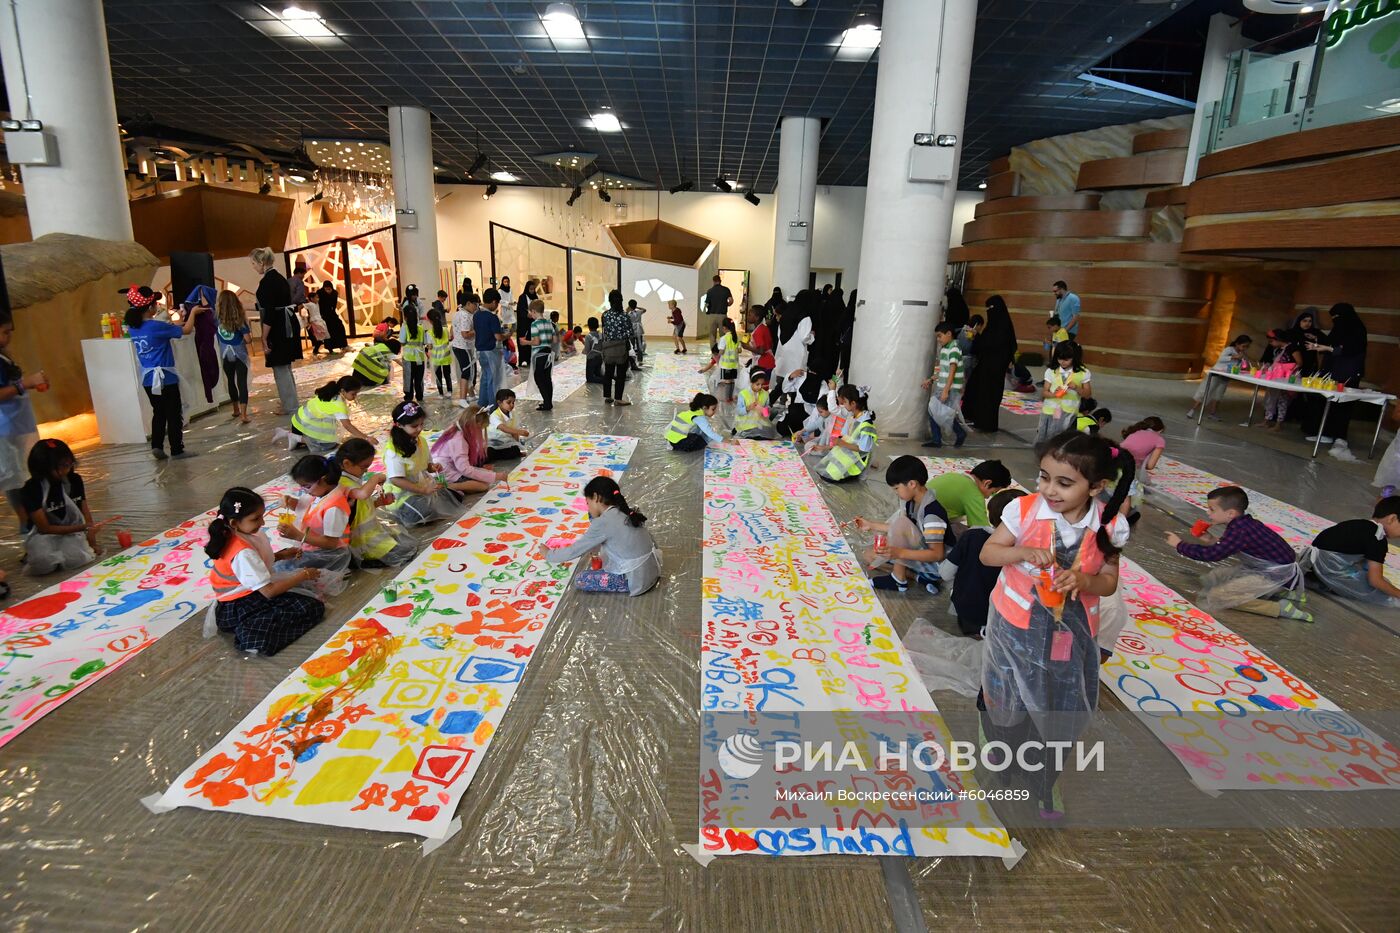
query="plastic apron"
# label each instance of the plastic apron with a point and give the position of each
(1345, 574)
(47, 553)
(1237, 582)
(904, 533)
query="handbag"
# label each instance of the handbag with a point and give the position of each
(615, 352)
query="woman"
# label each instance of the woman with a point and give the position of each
(994, 348)
(328, 301)
(775, 302)
(617, 337)
(1305, 331)
(955, 311)
(790, 362)
(281, 333)
(507, 298)
(522, 320)
(1346, 362)
(464, 291)
(151, 339)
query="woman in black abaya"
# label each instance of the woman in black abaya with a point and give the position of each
(994, 349)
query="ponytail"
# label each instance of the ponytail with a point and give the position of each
(134, 317)
(606, 489)
(238, 502)
(435, 317)
(1098, 461)
(410, 320)
(702, 401)
(311, 469)
(1150, 423)
(405, 413)
(858, 395)
(328, 391)
(1126, 468)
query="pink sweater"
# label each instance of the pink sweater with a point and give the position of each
(452, 451)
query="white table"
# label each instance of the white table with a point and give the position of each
(1370, 396)
(114, 378)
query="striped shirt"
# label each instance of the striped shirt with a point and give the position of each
(948, 357)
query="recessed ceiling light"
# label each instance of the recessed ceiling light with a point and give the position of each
(605, 122)
(561, 22)
(861, 36)
(306, 24)
(503, 176)
(982, 186)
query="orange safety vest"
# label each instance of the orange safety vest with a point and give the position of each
(221, 576)
(335, 500)
(1014, 595)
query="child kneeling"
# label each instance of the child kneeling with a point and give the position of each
(320, 520)
(691, 429)
(631, 561)
(1349, 558)
(62, 534)
(917, 533)
(372, 543)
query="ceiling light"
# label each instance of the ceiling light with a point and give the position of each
(603, 195)
(723, 185)
(503, 176)
(299, 179)
(306, 24)
(605, 122)
(490, 190)
(575, 195)
(982, 186)
(561, 22)
(751, 197)
(863, 34)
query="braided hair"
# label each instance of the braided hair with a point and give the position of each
(238, 502)
(605, 488)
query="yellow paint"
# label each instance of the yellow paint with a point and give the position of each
(483, 733)
(404, 760)
(446, 588)
(338, 780)
(358, 739)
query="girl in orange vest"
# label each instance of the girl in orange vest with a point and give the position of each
(320, 519)
(262, 609)
(1058, 550)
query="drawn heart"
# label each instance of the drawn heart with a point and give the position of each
(511, 536)
(494, 547)
(741, 842)
(41, 607)
(401, 611)
(473, 600)
(442, 544)
(72, 586)
(442, 765)
(501, 561)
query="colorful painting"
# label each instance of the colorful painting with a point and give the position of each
(673, 378)
(1020, 403)
(385, 726)
(569, 377)
(792, 625)
(314, 374)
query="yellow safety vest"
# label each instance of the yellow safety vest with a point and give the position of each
(368, 538)
(751, 417)
(728, 352)
(1085, 423)
(840, 462)
(442, 347)
(681, 426)
(1067, 404)
(415, 349)
(372, 364)
(317, 420)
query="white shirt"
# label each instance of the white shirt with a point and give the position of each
(250, 571)
(334, 522)
(461, 321)
(1069, 532)
(495, 437)
(397, 466)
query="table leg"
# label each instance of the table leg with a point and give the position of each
(1201, 413)
(1377, 436)
(1249, 422)
(1326, 407)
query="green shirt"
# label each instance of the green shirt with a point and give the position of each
(960, 498)
(948, 357)
(542, 333)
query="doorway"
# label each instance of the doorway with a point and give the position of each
(467, 269)
(820, 278)
(737, 281)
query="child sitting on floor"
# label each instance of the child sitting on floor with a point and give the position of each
(320, 519)
(372, 543)
(917, 533)
(964, 495)
(847, 456)
(1268, 566)
(316, 422)
(462, 452)
(973, 581)
(266, 612)
(816, 429)
(503, 435)
(1085, 422)
(1349, 558)
(752, 415)
(691, 429)
(62, 534)
(631, 561)
(420, 493)
(569, 342)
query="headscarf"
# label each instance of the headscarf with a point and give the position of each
(804, 305)
(999, 336)
(957, 313)
(202, 294)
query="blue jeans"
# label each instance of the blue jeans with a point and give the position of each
(490, 362)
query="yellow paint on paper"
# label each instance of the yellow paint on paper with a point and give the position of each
(338, 780)
(358, 739)
(403, 760)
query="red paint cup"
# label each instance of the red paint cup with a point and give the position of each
(597, 562)
(879, 541)
(124, 539)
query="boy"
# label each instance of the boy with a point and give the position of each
(1087, 421)
(503, 436)
(974, 581)
(1054, 335)
(947, 386)
(541, 358)
(639, 339)
(1269, 565)
(1350, 556)
(1103, 416)
(374, 361)
(592, 356)
(917, 533)
(964, 495)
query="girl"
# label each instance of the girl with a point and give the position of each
(631, 561)
(262, 610)
(232, 340)
(62, 534)
(441, 338)
(677, 325)
(151, 340)
(1281, 351)
(1236, 352)
(462, 450)
(372, 544)
(1058, 554)
(1065, 384)
(752, 413)
(420, 492)
(503, 435)
(320, 520)
(816, 429)
(315, 423)
(18, 428)
(849, 454)
(726, 357)
(691, 429)
(1145, 442)
(415, 348)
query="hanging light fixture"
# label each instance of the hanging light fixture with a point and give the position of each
(575, 195)
(490, 190)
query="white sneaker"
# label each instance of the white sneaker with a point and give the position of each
(1342, 452)
(463, 403)
(1324, 438)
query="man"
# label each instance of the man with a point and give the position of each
(1067, 309)
(522, 318)
(717, 302)
(488, 334)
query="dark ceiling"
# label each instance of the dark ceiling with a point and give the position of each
(700, 85)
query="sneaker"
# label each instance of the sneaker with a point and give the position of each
(1286, 610)
(1342, 452)
(608, 401)
(959, 435)
(622, 401)
(184, 455)
(932, 444)
(888, 582)
(544, 408)
(158, 453)
(1319, 437)
(932, 584)
(463, 403)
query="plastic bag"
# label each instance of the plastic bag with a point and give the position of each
(944, 661)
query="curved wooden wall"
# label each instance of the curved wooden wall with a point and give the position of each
(1147, 169)
(1059, 224)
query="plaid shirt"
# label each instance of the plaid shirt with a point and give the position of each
(1244, 535)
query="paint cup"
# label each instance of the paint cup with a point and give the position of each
(879, 541)
(1050, 598)
(124, 539)
(1200, 528)
(596, 563)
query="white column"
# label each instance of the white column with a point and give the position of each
(411, 145)
(796, 194)
(60, 57)
(1222, 38)
(921, 87)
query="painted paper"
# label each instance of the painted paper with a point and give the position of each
(1020, 403)
(673, 377)
(385, 726)
(791, 624)
(569, 377)
(316, 373)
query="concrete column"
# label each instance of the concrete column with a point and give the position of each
(921, 87)
(56, 50)
(1222, 38)
(799, 140)
(411, 156)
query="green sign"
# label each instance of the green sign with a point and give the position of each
(1363, 12)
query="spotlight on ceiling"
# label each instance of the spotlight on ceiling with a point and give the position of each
(982, 186)
(604, 196)
(477, 163)
(751, 197)
(723, 185)
(490, 190)
(561, 22)
(605, 122)
(686, 185)
(575, 195)
(863, 34)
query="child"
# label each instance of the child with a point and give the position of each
(1086, 421)
(677, 320)
(964, 495)
(917, 533)
(973, 580)
(1281, 350)
(440, 351)
(631, 561)
(541, 341)
(503, 435)
(1268, 566)
(316, 421)
(420, 495)
(752, 414)
(849, 455)
(372, 364)
(639, 339)
(1018, 377)
(151, 339)
(568, 344)
(261, 609)
(62, 534)
(1387, 470)
(1145, 442)
(1349, 557)
(947, 386)
(1103, 417)
(1054, 335)
(1058, 554)
(372, 544)
(1236, 352)
(691, 429)
(1066, 382)
(726, 357)
(232, 341)
(414, 352)
(462, 450)
(816, 429)
(18, 428)
(320, 520)
(592, 356)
